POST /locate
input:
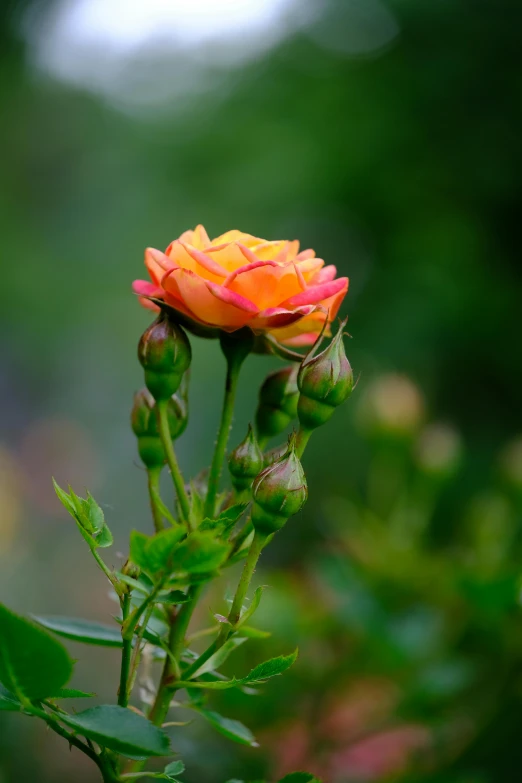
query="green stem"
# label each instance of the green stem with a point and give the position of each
(177, 478)
(170, 675)
(153, 476)
(106, 570)
(108, 774)
(126, 655)
(234, 362)
(129, 625)
(254, 552)
(303, 436)
(135, 662)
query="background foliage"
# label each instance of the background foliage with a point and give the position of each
(399, 581)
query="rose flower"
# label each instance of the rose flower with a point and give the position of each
(238, 280)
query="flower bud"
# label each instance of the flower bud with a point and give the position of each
(130, 569)
(141, 413)
(144, 423)
(277, 402)
(144, 426)
(274, 454)
(245, 462)
(164, 353)
(279, 491)
(325, 381)
(177, 415)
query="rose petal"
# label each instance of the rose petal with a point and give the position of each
(333, 303)
(187, 236)
(205, 261)
(304, 254)
(309, 267)
(250, 256)
(309, 324)
(200, 238)
(144, 302)
(144, 288)
(265, 283)
(292, 249)
(317, 293)
(324, 275)
(236, 236)
(267, 251)
(246, 268)
(188, 257)
(300, 277)
(157, 264)
(278, 317)
(230, 297)
(301, 340)
(201, 298)
(228, 255)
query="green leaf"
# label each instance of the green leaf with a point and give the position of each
(220, 656)
(264, 671)
(73, 505)
(254, 633)
(32, 664)
(8, 702)
(232, 729)
(94, 513)
(299, 777)
(135, 584)
(104, 538)
(161, 548)
(200, 553)
(270, 668)
(71, 693)
(65, 499)
(165, 511)
(88, 515)
(82, 630)
(198, 490)
(225, 521)
(154, 554)
(247, 614)
(138, 546)
(174, 768)
(121, 730)
(172, 598)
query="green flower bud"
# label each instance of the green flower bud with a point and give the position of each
(279, 491)
(130, 569)
(164, 353)
(274, 454)
(144, 426)
(277, 402)
(245, 462)
(177, 415)
(144, 423)
(325, 381)
(141, 412)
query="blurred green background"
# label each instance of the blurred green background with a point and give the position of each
(386, 135)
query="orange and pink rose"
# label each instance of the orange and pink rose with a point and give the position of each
(239, 280)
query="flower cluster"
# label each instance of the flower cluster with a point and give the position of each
(242, 290)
